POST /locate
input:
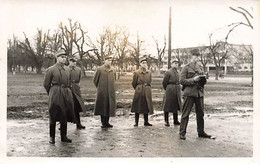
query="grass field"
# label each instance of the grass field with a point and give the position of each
(26, 97)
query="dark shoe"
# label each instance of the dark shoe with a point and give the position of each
(65, 139)
(79, 126)
(109, 125)
(204, 135)
(135, 125)
(103, 126)
(167, 124)
(147, 124)
(182, 137)
(176, 123)
(52, 140)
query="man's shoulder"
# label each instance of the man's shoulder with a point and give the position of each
(51, 68)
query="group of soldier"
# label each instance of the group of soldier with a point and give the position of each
(65, 102)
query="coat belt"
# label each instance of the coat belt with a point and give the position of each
(174, 83)
(145, 84)
(61, 85)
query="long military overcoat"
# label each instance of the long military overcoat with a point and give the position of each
(192, 88)
(56, 84)
(104, 80)
(143, 92)
(75, 76)
(172, 96)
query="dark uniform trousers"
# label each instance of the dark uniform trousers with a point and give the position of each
(199, 109)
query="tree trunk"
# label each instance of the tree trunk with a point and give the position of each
(217, 72)
(83, 70)
(39, 70)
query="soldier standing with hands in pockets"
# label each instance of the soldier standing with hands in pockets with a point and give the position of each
(142, 101)
(104, 80)
(172, 97)
(75, 76)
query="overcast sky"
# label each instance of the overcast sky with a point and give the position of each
(191, 21)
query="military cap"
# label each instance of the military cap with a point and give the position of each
(108, 57)
(143, 58)
(59, 53)
(72, 59)
(175, 61)
(195, 52)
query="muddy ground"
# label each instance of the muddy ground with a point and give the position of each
(29, 138)
(228, 116)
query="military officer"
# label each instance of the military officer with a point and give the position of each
(57, 85)
(172, 96)
(75, 76)
(104, 80)
(193, 93)
(142, 101)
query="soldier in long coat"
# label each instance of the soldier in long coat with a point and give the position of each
(142, 101)
(75, 76)
(172, 96)
(104, 80)
(193, 93)
(57, 85)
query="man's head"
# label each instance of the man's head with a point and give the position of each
(195, 54)
(175, 63)
(61, 56)
(143, 62)
(72, 61)
(108, 60)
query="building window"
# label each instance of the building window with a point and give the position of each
(239, 67)
(245, 67)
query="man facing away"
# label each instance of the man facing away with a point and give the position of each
(75, 76)
(142, 101)
(104, 80)
(57, 85)
(172, 96)
(193, 93)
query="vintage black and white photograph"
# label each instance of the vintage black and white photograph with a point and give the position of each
(142, 79)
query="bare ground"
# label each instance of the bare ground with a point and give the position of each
(228, 116)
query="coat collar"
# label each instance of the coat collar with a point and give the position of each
(108, 69)
(60, 66)
(72, 67)
(142, 71)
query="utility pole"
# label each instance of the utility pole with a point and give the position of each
(170, 38)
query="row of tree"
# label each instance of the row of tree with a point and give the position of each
(38, 52)
(74, 39)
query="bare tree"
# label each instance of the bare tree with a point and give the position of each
(160, 51)
(182, 55)
(220, 50)
(204, 57)
(37, 52)
(104, 45)
(244, 57)
(69, 35)
(135, 52)
(122, 46)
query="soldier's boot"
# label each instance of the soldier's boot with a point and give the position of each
(166, 118)
(146, 123)
(103, 121)
(79, 126)
(204, 135)
(107, 122)
(63, 133)
(175, 119)
(52, 133)
(136, 119)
